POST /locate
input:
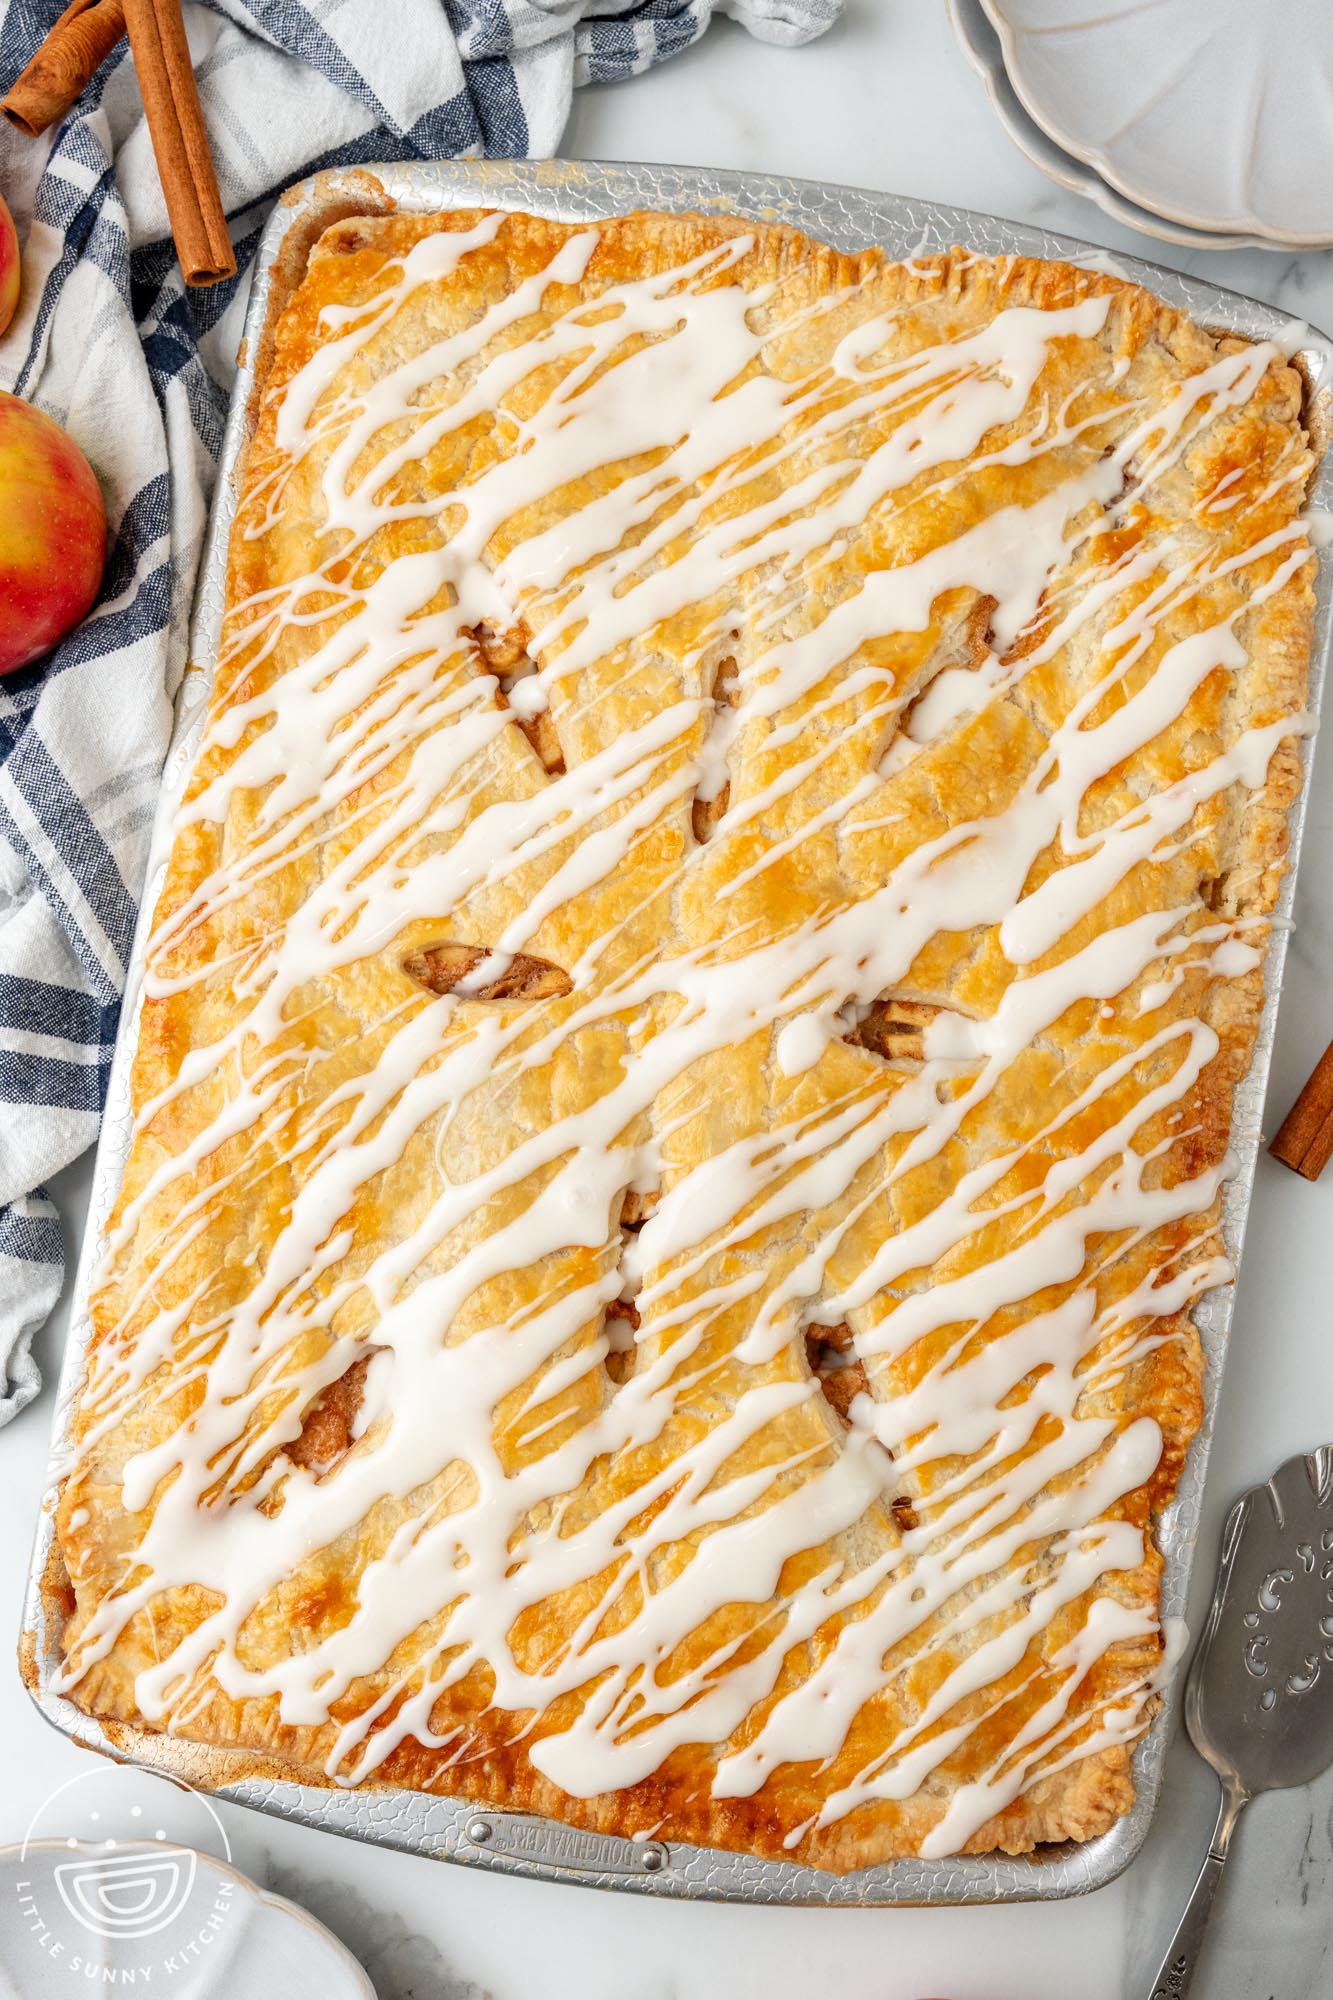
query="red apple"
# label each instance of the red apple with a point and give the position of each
(52, 533)
(9, 267)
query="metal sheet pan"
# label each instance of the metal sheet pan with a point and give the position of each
(848, 218)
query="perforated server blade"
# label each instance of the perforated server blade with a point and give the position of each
(1259, 1699)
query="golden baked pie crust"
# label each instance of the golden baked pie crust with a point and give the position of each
(191, 1235)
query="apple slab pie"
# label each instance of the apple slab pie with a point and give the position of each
(689, 1037)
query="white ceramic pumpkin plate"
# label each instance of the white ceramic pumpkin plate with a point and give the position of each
(1213, 113)
(169, 1919)
(981, 45)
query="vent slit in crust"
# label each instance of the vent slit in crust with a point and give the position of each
(836, 1367)
(329, 1424)
(713, 793)
(622, 1315)
(842, 1377)
(954, 682)
(506, 656)
(894, 1028)
(474, 973)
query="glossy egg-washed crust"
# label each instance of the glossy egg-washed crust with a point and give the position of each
(1232, 864)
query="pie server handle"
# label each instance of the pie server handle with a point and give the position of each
(1175, 1975)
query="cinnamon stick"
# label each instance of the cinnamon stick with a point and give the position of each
(1305, 1141)
(64, 65)
(180, 142)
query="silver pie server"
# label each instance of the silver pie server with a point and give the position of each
(1259, 1700)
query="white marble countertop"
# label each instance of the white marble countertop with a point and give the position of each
(886, 101)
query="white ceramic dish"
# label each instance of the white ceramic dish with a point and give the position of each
(982, 47)
(172, 1920)
(1213, 113)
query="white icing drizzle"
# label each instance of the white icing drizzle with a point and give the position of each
(376, 763)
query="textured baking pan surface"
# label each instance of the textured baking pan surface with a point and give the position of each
(849, 219)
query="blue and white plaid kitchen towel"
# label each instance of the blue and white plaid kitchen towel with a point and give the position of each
(110, 342)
